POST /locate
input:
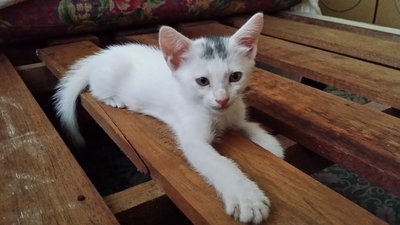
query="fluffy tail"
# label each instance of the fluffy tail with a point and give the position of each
(67, 92)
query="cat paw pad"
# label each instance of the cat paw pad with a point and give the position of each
(251, 206)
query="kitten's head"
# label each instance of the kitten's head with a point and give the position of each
(214, 70)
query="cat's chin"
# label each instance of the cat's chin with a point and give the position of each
(219, 109)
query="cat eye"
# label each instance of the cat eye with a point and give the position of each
(235, 76)
(202, 81)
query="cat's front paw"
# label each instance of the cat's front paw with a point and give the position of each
(277, 150)
(247, 203)
(271, 144)
(114, 102)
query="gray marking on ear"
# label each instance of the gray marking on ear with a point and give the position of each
(214, 47)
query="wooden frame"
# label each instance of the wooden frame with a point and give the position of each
(316, 127)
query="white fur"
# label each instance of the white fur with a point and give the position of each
(161, 83)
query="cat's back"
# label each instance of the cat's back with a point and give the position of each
(134, 53)
(123, 64)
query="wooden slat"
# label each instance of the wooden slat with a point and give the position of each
(37, 77)
(40, 180)
(372, 144)
(368, 29)
(297, 198)
(65, 58)
(359, 138)
(145, 203)
(134, 196)
(364, 47)
(77, 38)
(366, 79)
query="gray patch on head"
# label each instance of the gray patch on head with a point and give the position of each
(214, 47)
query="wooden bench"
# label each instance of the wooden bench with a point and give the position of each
(41, 183)
(307, 120)
(154, 144)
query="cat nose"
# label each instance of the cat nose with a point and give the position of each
(222, 102)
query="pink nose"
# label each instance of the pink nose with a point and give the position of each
(222, 102)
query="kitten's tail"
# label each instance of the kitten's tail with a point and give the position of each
(67, 92)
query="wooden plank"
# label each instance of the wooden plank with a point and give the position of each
(61, 57)
(41, 181)
(37, 78)
(359, 138)
(368, 29)
(359, 46)
(376, 106)
(134, 196)
(304, 199)
(376, 82)
(71, 39)
(149, 39)
(384, 108)
(65, 58)
(146, 203)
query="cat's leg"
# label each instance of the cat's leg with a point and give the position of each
(237, 119)
(243, 199)
(256, 134)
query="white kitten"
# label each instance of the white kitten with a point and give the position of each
(195, 87)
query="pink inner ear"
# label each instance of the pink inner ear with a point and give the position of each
(250, 43)
(173, 45)
(174, 56)
(247, 41)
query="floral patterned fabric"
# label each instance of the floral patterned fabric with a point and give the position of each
(34, 19)
(373, 198)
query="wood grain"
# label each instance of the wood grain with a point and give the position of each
(40, 179)
(345, 25)
(354, 136)
(133, 196)
(376, 82)
(297, 198)
(62, 57)
(359, 46)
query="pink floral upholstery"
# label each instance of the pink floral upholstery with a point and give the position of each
(35, 19)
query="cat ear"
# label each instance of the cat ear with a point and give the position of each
(174, 46)
(247, 36)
